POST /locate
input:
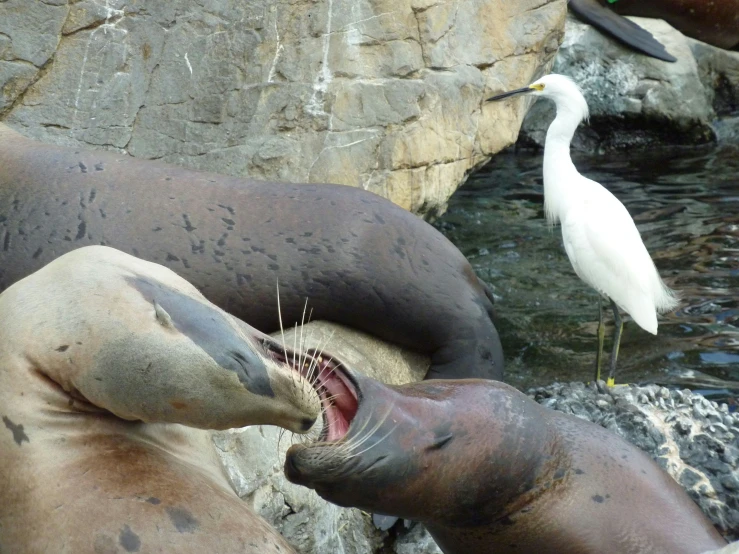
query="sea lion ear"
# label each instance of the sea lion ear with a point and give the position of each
(162, 316)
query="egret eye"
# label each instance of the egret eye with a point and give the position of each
(162, 316)
(538, 86)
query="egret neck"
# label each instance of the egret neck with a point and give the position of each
(559, 171)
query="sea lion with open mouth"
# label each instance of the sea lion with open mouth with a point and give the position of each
(487, 469)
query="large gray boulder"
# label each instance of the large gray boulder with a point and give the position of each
(636, 100)
(380, 94)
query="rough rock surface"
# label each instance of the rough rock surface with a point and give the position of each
(635, 100)
(693, 438)
(382, 94)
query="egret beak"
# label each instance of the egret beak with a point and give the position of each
(511, 93)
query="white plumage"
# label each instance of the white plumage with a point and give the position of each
(600, 237)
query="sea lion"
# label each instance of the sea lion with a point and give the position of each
(357, 258)
(715, 22)
(487, 469)
(104, 359)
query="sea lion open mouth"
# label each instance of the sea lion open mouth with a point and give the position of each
(338, 391)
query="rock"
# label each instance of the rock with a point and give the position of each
(416, 541)
(733, 548)
(635, 100)
(384, 95)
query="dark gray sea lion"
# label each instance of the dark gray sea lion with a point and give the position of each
(110, 366)
(488, 470)
(715, 22)
(357, 258)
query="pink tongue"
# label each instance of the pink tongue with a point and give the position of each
(337, 424)
(343, 403)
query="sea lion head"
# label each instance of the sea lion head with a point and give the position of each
(424, 451)
(135, 338)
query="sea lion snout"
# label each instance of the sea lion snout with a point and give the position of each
(400, 441)
(395, 438)
(210, 329)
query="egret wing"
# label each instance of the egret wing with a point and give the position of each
(609, 255)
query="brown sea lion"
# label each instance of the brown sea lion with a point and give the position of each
(110, 367)
(488, 470)
(356, 257)
(715, 22)
(712, 21)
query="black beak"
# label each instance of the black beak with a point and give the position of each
(510, 93)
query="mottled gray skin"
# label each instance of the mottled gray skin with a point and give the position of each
(488, 470)
(359, 259)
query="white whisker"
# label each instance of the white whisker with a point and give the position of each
(279, 317)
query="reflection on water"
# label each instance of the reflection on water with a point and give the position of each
(686, 205)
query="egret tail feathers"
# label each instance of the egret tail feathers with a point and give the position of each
(666, 299)
(643, 308)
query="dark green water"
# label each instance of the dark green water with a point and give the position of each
(686, 205)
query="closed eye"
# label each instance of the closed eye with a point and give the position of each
(164, 319)
(440, 442)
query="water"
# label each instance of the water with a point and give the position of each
(686, 205)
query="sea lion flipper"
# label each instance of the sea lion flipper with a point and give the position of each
(620, 28)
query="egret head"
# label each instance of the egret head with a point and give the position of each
(562, 90)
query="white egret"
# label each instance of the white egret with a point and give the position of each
(600, 237)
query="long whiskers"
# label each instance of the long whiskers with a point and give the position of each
(279, 317)
(313, 368)
(312, 375)
(351, 445)
(301, 343)
(335, 454)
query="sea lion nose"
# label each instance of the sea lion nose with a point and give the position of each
(292, 472)
(307, 423)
